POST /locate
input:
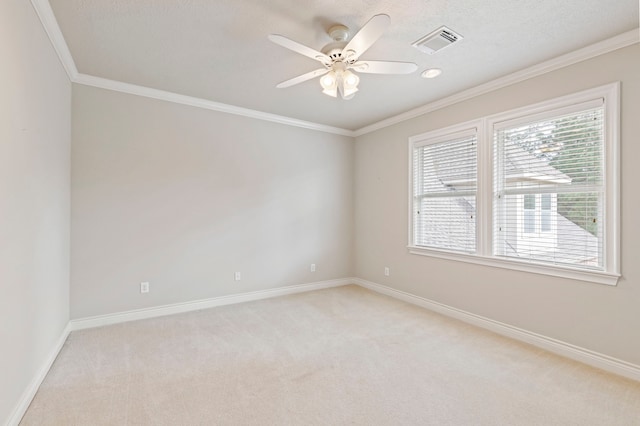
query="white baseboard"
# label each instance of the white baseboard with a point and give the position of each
(158, 311)
(577, 353)
(567, 350)
(97, 321)
(30, 392)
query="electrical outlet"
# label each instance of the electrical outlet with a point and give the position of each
(386, 271)
(237, 276)
(313, 267)
(144, 287)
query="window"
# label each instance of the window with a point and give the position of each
(444, 201)
(557, 155)
(533, 189)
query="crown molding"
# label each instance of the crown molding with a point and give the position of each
(50, 25)
(118, 86)
(600, 48)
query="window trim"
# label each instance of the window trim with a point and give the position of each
(484, 126)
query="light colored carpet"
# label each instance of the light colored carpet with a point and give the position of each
(331, 357)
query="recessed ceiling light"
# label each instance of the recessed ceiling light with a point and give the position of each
(431, 73)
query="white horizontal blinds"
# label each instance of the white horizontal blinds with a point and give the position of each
(444, 193)
(549, 189)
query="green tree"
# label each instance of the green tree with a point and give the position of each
(580, 156)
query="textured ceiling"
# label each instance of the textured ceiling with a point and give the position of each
(219, 51)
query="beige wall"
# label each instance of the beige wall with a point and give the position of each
(35, 126)
(184, 197)
(597, 317)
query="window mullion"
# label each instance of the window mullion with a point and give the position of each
(484, 197)
(553, 189)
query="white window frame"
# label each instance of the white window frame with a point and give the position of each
(450, 133)
(610, 94)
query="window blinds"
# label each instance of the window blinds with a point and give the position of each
(444, 193)
(549, 189)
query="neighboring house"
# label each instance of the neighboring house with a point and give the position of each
(538, 232)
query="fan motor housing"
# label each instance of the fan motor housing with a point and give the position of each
(335, 51)
(339, 32)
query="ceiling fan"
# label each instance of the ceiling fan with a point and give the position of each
(340, 58)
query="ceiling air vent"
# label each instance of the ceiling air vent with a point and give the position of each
(436, 40)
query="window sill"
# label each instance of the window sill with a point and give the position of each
(597, 277)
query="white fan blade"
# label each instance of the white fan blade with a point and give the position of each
(299, 48)
(384, 67)
(367, 35)
(303, 77)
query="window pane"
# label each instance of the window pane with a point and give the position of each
(576, 243)
(445, 181)
(449, 223)
(561, 151)
(555, 167)
(545, 201)
(545, 213)
(529, 213)
(530, 202)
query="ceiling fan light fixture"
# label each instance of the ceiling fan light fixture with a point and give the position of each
(350, 79)
(348, 92)
(331, 92)
(329, 84)
(341, 81)
(348, 85)
(329, 80)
